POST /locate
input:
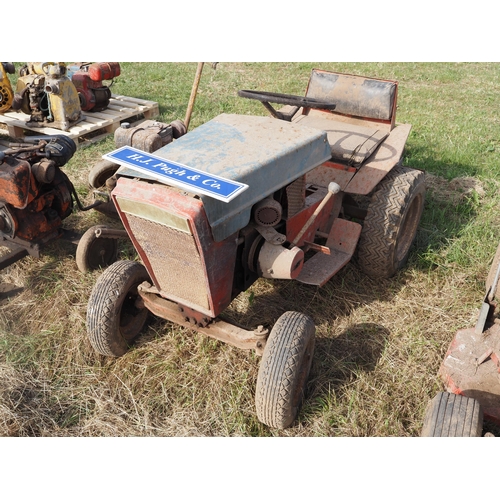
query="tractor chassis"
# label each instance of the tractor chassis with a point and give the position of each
(216, 328)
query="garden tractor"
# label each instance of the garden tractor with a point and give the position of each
(289, 196)
(470, 373)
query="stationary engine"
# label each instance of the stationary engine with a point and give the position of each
(35, 195)
(87, 78)
(6, 94)
(45, 92)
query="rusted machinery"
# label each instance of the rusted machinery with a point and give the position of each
(88, 80)
(6, 93)
(47, 95)
(36, 196)
(243, 197)
(470, 373)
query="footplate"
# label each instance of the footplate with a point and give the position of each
(342, 241)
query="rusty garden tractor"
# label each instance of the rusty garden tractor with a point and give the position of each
(470, 373)
(290, 196)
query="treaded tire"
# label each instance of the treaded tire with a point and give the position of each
(452, 415)
(284, 370)
(93, 253)
(391, 222)
(101, 172)
(113, 320)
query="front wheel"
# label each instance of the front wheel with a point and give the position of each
(452, 415)
(284, 370)
(114, 316)
(93, 252)
(391, 222)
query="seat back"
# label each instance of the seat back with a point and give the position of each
(357, 96)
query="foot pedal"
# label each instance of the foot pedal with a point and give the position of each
(342, 241)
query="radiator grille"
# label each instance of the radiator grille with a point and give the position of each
(174, 258)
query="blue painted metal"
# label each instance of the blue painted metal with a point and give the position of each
(260, 151)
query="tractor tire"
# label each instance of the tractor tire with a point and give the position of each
(101, 172)
(113, 319)
(391, 222)
(492, 274)
(94, 253)
(452, 415)
(284, 369)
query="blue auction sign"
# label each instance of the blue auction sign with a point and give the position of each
(176, 174)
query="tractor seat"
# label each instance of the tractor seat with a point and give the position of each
(363, 118)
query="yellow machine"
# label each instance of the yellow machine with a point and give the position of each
(6, 93)
(45, 92)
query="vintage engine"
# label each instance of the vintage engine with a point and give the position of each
(6, 93)
(35, 195)
(88, 80)
(45, 92)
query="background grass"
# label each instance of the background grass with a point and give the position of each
(379, 343)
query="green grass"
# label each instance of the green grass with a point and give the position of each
(379, 343)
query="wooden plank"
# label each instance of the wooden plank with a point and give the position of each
(120, 108)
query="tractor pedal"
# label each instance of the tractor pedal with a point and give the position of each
(342, 241)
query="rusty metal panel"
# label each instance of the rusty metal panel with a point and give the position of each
(170, 231)
(471, 367)
(330, 172)
(383, 160)
(262, 152)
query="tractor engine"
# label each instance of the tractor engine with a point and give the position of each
(45, 92)
(35, 195)
(6, 94)
(87, 78)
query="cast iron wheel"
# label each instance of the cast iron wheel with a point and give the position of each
(113, 319)
(101, 172)
(391, 222)
(452, 415)
(292, 100)
(284, 370)
(93, 253)
(492, 273)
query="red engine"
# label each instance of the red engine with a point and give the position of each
(94, 96)
(35, 195)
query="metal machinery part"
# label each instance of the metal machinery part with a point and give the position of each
(88, 80)
(45, 92)
(6, 93)
(35, 194)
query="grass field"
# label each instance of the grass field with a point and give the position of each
(379, 342)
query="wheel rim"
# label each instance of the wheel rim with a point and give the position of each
(131, 317)
(409, 227)
(101, 253)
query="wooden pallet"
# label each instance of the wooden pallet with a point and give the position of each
(93, 127)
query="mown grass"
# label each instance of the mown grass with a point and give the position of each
(379, 343)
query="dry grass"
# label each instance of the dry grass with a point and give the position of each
(379, 343)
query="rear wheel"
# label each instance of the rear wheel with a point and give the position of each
(114, 317)
(452, 415)
(284, 370)
(391, 222)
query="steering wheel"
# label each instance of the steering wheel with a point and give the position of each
(292, 100)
